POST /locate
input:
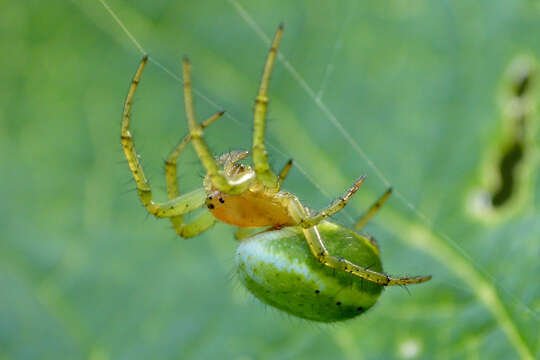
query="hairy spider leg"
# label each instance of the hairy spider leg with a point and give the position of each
(318, 249)
(372, 210)
(179, 205)
(171, 162)
(195, 130)
(284, 172)
(205, 220)
(260, 160)
(242, 233)
(334, 207)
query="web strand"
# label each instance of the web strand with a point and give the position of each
(124, 28)
(338, 44)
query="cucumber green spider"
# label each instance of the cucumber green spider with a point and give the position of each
(249, 197)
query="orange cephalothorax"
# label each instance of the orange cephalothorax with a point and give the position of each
(251, 209)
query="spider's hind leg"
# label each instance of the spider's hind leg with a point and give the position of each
(318, 249)
(260, 159)
(372, 210)
(334, 207)
(284, 172)
(243, 233)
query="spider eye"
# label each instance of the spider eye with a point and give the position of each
(210, 206)
(210, 198)
(221, 200)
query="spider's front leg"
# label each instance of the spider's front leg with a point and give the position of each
(177, 206)
(205, 220)
(219, 181)
(260, 159)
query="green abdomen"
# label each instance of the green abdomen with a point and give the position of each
(279, 269)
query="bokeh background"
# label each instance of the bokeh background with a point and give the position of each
(86, 274)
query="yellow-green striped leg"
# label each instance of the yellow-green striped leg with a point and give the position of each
(179, 205)
(334, 207)
(205, 220)
(260, 160)
(284, 172)
(318, 249)
(372, 210)
(195, 130)
(242, 233)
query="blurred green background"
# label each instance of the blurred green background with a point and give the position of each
(85, 273)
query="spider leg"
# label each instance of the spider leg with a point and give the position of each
(372, 210)
(333, 208)
(171, 162)
(284, 172)
(260, 159)
(242, 233)
(318, 249)
(205, 220)
(180, 205)
(202, 223)
(195, 130)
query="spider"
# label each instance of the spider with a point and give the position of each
(250, 197)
